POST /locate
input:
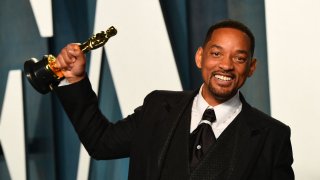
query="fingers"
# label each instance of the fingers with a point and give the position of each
(61, 61)
(68, 59)
(74, 50)
(68, 56)
(72, 62)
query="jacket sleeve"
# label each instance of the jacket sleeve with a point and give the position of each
(101, 138)
(282, 168)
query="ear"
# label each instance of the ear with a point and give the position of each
(252, 67)
(198, 57)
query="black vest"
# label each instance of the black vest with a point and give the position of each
(217, 164)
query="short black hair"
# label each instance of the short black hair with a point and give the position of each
(229, 23)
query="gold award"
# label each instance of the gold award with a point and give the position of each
(43, 75)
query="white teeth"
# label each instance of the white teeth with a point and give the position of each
(224, 78)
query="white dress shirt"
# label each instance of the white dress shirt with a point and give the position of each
(63, 82)
(225, 112)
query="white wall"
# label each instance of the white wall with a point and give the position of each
(293, 37)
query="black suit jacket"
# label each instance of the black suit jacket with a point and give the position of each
(263, 150)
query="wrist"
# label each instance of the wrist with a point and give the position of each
(76, 79)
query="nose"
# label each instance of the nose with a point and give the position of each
(226, 63)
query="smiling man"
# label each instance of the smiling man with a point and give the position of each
(209, 133)
(225, 61)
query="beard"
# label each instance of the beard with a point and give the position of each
(220, 93)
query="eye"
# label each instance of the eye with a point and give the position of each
(215, 53)
(240, 59)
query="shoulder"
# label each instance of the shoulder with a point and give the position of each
(268, 120)
(166, 98)
(258, 119)
(169, 95)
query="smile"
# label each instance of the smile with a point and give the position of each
(223, 78)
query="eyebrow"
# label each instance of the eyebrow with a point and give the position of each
(238, 51)
(243, 52)
(215, 46)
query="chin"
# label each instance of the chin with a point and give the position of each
(222, 95)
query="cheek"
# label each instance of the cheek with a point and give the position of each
(209, 64)
(205, 74)
(207, 68)
(243, 73)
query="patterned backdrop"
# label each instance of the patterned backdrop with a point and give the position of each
(51, 145)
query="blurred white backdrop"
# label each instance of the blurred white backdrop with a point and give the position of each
(293, 36)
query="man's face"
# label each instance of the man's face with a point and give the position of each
(225, 64)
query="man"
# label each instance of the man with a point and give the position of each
(165, 137)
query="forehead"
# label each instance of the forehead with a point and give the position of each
(230, 37)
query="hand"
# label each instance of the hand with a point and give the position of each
(72, 62)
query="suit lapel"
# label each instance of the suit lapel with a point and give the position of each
(249, 142)
(174, 110)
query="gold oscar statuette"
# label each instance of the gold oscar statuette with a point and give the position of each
(43, 75)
